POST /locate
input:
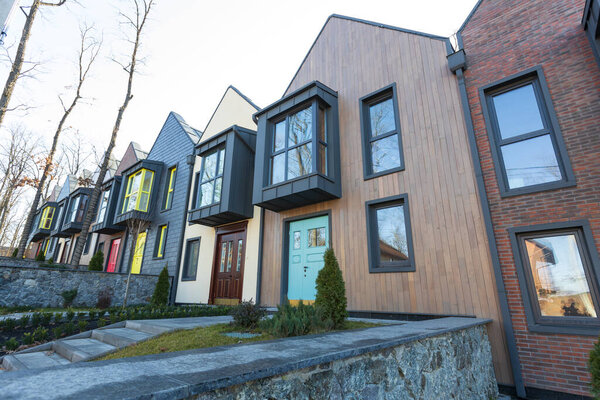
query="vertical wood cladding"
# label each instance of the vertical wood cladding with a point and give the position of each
(453, 267)
(504, 38)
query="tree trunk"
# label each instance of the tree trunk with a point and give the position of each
(15, 71)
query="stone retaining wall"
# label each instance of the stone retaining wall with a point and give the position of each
(456, 365)
(42, 287)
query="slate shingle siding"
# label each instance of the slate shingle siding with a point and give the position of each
(172, 146)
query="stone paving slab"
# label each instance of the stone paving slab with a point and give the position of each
(185, 373)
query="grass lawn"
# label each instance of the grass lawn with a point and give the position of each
(198, 338)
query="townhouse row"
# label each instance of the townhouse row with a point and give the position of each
(449, 180)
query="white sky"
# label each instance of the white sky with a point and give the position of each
(194, 49)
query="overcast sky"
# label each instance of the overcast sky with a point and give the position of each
(193, 50)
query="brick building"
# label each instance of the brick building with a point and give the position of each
(533, 88)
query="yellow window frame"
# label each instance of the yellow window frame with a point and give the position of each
(47, 216)
(129, 193)
(161, 241)
(170, 188)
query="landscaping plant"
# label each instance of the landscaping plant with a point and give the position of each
(9, 325)
(14, 253)
(28, 338)
(68, 297)
(296, 321)
(161, 292)
(69, 328)
(40, 257)
(58, 317)
(82, 325)
(46, 318)
(97, 262)
(11, 344)
(594, 365)
(24, 321)
(247, 315)
(57, 332)
(70, 315)
(331, 291)
(40, 334)
(36, 319)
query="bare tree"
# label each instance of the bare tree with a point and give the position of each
(136, 23)
(16, 71)
(135, 226)
(75, 155)
(88, 51)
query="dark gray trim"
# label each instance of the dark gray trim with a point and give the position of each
(534, 75)
(243, 96)
(260, 256)
(186, 258)
(285, 250)
(466, 21)
(222, 97)
(374, 262)
(362, 21)
(558, 325)
(157, 240)
(591, 25)
(364, 103)
(487, 218)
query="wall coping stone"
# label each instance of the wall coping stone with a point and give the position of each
(187, 373)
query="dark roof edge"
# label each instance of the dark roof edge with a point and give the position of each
(294, 93)
(363, 21)
(222, 97)
(225, 131)
(466, 21)
(244, 97)
(586, 11)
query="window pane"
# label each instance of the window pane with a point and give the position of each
(239, 255)
(192, 259)
(278, 168)
(279, 136)
(135, 183)
(73, 210)
(148, 175)
(300, 127)
(229, 255)
(558, 276)
(321, 237)
(312, 238)
(391, 231)
(223, 257)
(296, 240)
(221, 161)
(323, 159)
(517, 112)
(322, 126)
(385, 154)
(210, 167)
(206, 194)
(530, 162)
(382, 117)
(299, 161)
(144, 198)
(218, 184)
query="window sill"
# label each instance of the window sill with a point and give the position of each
(192, 279)
(387, 269)
(383, 173)
(297, 179)
(537, 188)
(565, 329)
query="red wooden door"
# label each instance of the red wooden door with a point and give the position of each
(229, 268)
(112, 257)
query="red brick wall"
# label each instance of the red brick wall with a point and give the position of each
(504, 38)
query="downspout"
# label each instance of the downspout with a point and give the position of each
(457, 64)
(190, 162)
(260, 255)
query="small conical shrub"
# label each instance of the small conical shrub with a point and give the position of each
(40, 256)
(331, 291)
(97, 262)
(161, 292)
(594, 364)
(14, 253)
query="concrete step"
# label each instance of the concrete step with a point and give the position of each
(148, 327)
(81, 349)
(120, 337)
(38, 359)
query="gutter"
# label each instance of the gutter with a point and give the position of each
(457, 64)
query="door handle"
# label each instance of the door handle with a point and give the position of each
(305, 268)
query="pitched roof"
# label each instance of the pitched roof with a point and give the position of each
(193, 133)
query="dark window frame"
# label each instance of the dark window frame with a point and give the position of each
(591, 264)
(365, 102)
(164, 206)
(198, 178)
(88, 243)
(157, 241)
(187, 257)
(371, 208)
(536, 77)
(106, 209)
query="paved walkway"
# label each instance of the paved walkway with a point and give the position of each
(186, 373)
(99, 342)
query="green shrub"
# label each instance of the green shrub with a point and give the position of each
(70, 315)
(28, 338)
(161, 292)
(331, 291)
(296, 321)
(114, 318)
(40, 334)
(594, 365)
(101, 322)
(97, 262)
(40, 257)
(57, 332)
(14, 253)
(36, 319)
(92, 315)
(246, 315)
(24, 321)
(69, 328)
(11, 344)
(82, 325)
(46, 318)
(68, 297)
(58, 317)
(9, 325)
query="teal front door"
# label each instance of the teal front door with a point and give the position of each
(308, 240)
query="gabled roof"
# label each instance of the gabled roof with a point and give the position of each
(133, 154)
(375, 24)
(193, 133)
(67, 187)
(224, 115)
(137, 149)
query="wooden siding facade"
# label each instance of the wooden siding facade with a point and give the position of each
(453, 265)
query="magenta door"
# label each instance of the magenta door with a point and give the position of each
(112, 257)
